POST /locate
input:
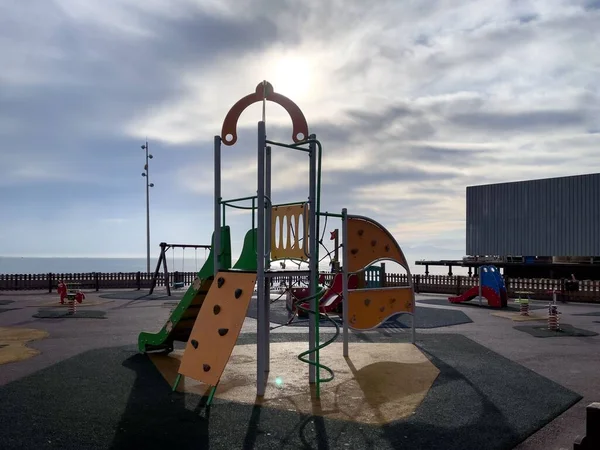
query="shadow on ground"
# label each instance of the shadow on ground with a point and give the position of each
(144, 295)
(115, 398)
(475, 304)
(425, 317)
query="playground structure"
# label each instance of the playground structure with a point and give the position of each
(211, 313)
(491, 287)
(162, 259)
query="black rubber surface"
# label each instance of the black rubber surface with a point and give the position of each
(542, 331)
(115, 398)
(475, 304)
(426, 317)
(594, 313)
(64, 314)
(143, 295)
(6, 302)
(3, 310)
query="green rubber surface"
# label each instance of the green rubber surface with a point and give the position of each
(115, 398)
(64, 314)
(542, 331)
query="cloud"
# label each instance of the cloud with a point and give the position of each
(412, 102)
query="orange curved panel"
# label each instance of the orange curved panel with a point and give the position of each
(369, 242)
(368, 308)
(264, 91)
(289, 232)
(217, 326)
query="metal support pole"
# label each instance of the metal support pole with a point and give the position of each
(480, 287)
(345, 274)
(312, 263)
(217, 233)
(262, 302)
(146, 175)
(413, 334)
(267, 254)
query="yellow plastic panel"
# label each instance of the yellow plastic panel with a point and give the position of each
(369, 242)
(289, 232)
(367, 308)
(217, 327)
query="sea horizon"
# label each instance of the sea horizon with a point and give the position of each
(15, 265)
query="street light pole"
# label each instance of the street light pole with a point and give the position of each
(146, 174)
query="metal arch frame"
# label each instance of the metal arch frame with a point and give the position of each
(263, 225)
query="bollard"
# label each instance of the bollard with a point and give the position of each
(553, 324)
(591, 440)
(524, 307)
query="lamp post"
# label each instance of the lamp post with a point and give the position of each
(146, 175)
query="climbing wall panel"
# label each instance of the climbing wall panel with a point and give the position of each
(369, 242)
(289, 232)
(367, 308)
(218, 326)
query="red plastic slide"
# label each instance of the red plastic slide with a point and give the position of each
(488, 293)
(331, 301)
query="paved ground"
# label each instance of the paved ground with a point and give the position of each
(571, 362)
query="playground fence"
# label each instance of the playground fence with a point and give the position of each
(538, 289)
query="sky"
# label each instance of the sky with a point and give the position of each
(413, 102)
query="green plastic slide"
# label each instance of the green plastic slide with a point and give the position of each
(247, 259)
(182, 319)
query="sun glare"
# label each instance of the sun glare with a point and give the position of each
(292, 77)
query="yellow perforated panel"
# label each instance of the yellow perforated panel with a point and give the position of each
(217, 326)
(368, 242)
(367, 308)
(289, 232)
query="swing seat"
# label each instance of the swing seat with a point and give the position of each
(178, 285)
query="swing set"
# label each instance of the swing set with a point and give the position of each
(162, 259)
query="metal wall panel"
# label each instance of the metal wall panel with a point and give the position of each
(548, 217)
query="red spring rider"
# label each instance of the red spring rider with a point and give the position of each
(79, 296)
(61, 289)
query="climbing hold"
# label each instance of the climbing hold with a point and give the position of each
(220, 282)
(392, 300)
(353, 318)
(238, 293)
(205, 367)
(361, 232)
(373, 243)
(382, 309)
(354, 251)
(216, 309)
(194, 343)
(223, 331)
(387, 247)
(367, 301)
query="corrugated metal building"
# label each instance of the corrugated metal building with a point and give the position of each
(547, 217)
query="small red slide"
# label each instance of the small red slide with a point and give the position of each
(331, 300)
(489, 294)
